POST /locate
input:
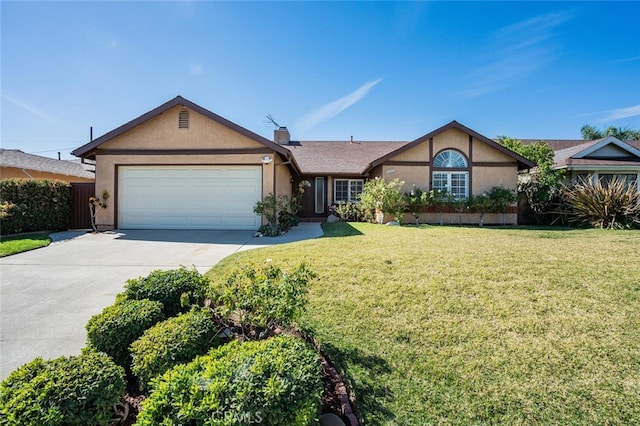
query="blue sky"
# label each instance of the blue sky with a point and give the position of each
(326, 70)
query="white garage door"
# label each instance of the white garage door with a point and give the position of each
(188, 197)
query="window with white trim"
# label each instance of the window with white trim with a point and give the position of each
(347, 190)
(454, 182)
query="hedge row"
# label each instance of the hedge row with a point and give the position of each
(270, 382)
(69, 391)
(34, 205)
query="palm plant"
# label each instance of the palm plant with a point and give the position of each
(611, 205)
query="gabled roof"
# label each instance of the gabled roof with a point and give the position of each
(523, 163)
(578, 152)
(339, 157)
(88, 150)
(608, 141)
(21, 160)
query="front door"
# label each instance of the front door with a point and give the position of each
(313, 197)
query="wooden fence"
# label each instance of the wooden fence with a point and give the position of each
(80, 193)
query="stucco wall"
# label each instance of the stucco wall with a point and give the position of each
(502, 171)
(162, 133)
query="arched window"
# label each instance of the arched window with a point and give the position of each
(451, 173)
(449, 159)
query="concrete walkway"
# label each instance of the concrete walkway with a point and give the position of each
(48, 295)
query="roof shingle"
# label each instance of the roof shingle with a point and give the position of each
(22, 160)
(339, 157)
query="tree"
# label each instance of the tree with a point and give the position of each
(590, 132)
(543, 184)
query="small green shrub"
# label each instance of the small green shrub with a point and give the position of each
(34, 205)
(269, 230)
(281, 213)
(350, 212)
(171, 342)
(263, 296)
(268, 382)
(77, 390)
(114, 329)
(168, 287)
(615, 204)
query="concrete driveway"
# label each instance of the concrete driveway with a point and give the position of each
(48, 295)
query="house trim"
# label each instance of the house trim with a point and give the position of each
(523, 163)
(89, 150)
(607, 141)
(230, 151)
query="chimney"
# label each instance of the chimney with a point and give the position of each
(281, 136)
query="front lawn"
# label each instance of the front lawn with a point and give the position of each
(20, 243)
(448, 325)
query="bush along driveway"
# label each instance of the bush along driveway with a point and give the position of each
(47, 295)
(228, 357)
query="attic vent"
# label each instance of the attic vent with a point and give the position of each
(183, 119)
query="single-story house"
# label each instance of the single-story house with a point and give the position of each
(17, 164)
(600, 159)
(180, 166)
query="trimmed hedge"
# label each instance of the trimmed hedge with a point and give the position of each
(114, 329)
(78, 390)
(263, 296)
(34, 205)
(171, 342)
(168, 287)
(268, 382)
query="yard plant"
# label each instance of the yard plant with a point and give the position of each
(66, 391)
(269, 382)
(615, 204)
(456, 325)
(176, 340)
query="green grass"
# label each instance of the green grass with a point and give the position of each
(447, 325)
(18, 244)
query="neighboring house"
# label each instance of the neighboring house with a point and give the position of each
(180, 166)
(17, 164)
(600, 159)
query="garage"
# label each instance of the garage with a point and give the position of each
(189, 197)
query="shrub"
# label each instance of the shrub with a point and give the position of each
(168, 287)
(263, 297)
(380, 195)
(288, 209)
(114, 329)
(350, 212)
(78, 390)
(501, 198)
(269, 382)
(615, 204)
(174, 341)
(281, 213)
(34, 205)
(416, 201)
